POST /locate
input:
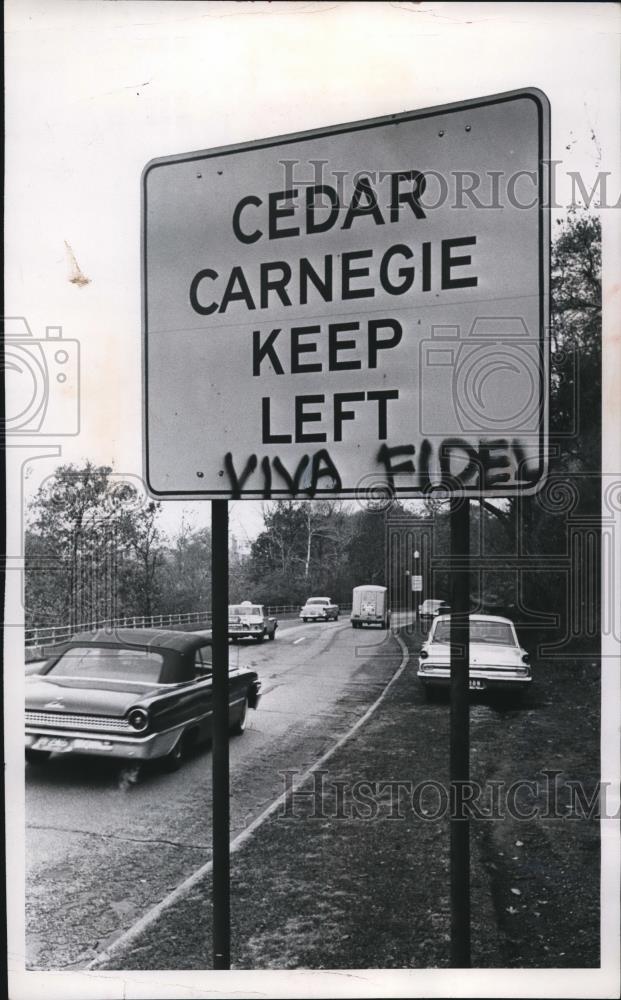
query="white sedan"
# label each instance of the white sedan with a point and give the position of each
(319, 609)
(497, 661)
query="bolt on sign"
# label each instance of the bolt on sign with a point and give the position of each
(357, 307)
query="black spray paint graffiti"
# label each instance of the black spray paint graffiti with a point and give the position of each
(321, 467)
(456, 464)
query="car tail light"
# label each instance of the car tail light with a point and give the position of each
(423, 654)
(138, 719)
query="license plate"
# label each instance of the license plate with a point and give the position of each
(57, 744)
(476, 685)
(84, 744)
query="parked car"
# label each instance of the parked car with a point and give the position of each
(431, 608)
(497, 661)
(134, 694)
(249, 621)
(319, 609)
(369, 606)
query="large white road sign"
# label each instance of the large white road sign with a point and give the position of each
(359, 305)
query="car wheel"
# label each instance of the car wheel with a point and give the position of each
(238, 727)
(261, 637)
(431, 692)
(37, 756)
(174, 759)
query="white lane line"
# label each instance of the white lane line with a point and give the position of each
(184, 887)
(301, 639)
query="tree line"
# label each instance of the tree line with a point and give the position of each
(95, 550)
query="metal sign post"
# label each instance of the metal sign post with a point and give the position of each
(417, 591)
(220, 734)
(459, 758)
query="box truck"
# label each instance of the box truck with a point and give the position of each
(370, 606)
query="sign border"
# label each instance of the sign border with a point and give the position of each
(543, 188)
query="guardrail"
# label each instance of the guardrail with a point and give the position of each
(50, 635)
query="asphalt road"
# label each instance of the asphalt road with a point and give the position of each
(102, 849)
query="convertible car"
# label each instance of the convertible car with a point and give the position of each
(497, 661)
(135, 694)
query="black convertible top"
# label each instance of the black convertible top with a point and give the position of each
(145, 638)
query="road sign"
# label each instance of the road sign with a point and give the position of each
(354, 309)
(417, 584)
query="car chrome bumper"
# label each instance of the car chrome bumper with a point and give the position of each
(479, 680)
(103, 744)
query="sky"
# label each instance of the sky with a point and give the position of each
(95, 90)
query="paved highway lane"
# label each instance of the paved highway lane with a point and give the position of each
(100, 849)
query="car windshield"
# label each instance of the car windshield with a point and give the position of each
(318, 600)
(109, 664)
(494, 633)
(245, 609)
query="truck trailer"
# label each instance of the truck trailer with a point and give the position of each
(369, 606)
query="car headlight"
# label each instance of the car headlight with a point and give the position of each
(138, 719)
